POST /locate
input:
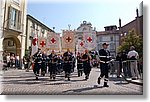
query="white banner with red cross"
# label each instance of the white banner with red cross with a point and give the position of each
(42, 43)
(34, 45)
(90, 40)
(53, 41)
(80, 46)
(68, 40)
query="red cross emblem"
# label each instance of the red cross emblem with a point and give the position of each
(34, 41)
(81, 44)
(89, 39)
(42, 43)
(68, 39)
(53, 40)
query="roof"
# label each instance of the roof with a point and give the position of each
(40, 23)
(107, 32)
(131, 22)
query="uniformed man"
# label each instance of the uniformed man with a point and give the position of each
(37, 58)
(86, 64)
(79, 64)
(104, 61)
(67, 58)
(52, 64)
(59, 65)
(73, 63)
(44, 64)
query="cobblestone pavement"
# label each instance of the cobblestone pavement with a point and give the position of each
(20, 82)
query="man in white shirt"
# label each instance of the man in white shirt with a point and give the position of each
(133, 56)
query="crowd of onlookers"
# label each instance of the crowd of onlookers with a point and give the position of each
(11, 60)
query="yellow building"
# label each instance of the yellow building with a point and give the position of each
(14, 27)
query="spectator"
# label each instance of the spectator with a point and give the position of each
(17, 61)
(133, 56)
(8, 60)
(125, 65)
(12, 61)
(119, 59)
(25, 63)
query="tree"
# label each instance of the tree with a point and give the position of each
(132, 39)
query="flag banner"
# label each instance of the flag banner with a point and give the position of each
(68, 40)
(34, 45)
(53, 41)
(90, 40)
(42, 43)
(80, 46)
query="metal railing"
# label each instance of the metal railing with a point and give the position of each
(128, 69)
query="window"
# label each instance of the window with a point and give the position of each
(100, 38)
(14, 19)
(10, 43)
(112, 46)
(111, 38)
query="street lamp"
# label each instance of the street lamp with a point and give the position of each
(69, 25)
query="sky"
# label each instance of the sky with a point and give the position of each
(100, 13)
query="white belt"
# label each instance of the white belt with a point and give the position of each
(105, 56)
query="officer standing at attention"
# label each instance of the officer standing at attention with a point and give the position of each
(104, 61)
(67, 58)
(52, 64)
(86, 64)
(37, 58)
(79, 65)
(44, 64)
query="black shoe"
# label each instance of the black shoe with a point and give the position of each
(86, 77)
(78, 74)
(50, 77)
(37, 78)
(134, 78)
(68, 79)
(105, 85)
(65, 75)
(81, 73)
(54, 78)
(99, 80)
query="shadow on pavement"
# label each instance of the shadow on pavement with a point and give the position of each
(83, 89)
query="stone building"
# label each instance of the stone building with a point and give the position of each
(85, 27)
(136, 24)
(14, 25)
(34, 26)
(110, 36)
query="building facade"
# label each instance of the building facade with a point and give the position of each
(2, 5)
(33, 26)
(85, 27)
(14, 27)
(136, 24)
(110, 36)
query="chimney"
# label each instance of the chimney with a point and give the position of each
(119, 23)
(137, 12)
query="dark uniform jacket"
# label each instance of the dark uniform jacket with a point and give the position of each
(37, 58)
(104, 55)
(79, 59)
(52, 58)
(86, 58)
(67, 57)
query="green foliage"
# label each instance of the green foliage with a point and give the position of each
(132, 39)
